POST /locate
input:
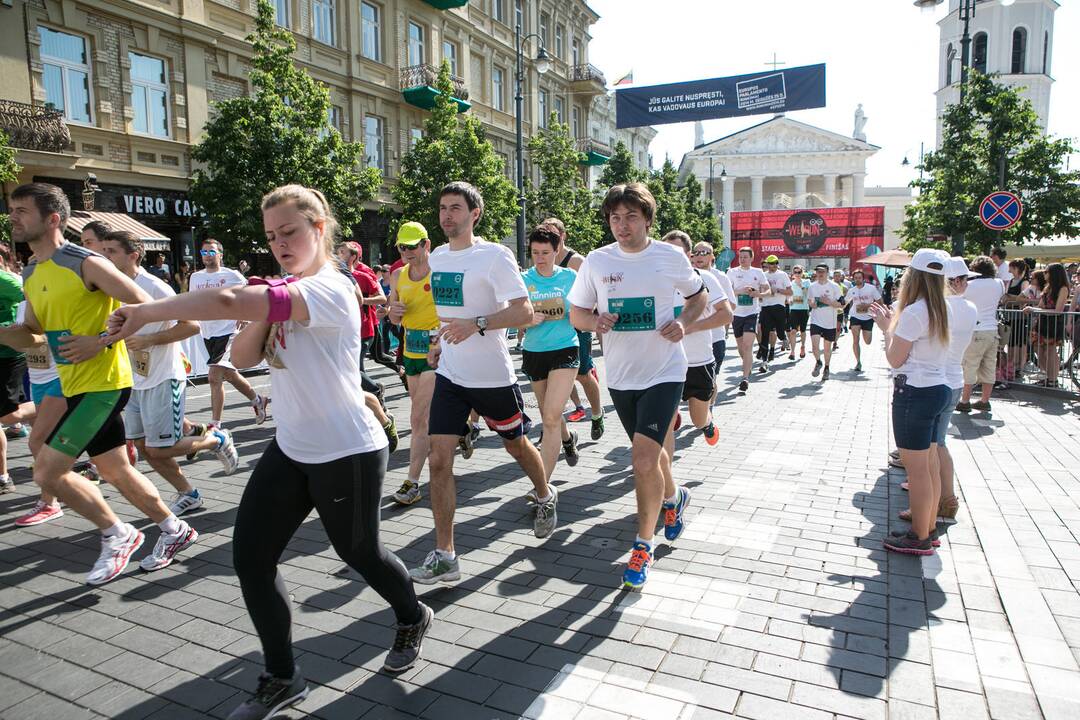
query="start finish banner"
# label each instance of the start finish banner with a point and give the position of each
(810, 232)
(771, 91)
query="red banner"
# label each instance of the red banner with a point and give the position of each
(809, 232)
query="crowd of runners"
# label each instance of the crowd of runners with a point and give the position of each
(99, 340)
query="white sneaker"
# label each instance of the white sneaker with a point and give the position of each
(6, 484)
(116, 552)
(167, 546)
(226, 450)
(408, 493)
(182, 503)
(259, 406)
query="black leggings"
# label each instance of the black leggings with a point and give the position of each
(279, 496)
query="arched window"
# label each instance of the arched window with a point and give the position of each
(1046, 50)
(950, 55)
(1019, 51)
(979, 52)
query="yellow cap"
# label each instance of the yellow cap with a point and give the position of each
(772, 260)
(411, 233)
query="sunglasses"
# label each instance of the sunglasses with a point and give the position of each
(405, 248)
(701, 253)
(204, 253)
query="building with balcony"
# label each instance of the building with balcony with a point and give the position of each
(122, 88)
(603, 136)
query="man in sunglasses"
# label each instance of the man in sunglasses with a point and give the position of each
(773, 311)
(218, 335)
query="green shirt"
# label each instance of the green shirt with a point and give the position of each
(11, 294)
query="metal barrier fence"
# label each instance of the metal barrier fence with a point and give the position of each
(1039, 350)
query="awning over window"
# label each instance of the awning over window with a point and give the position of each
(151, 239)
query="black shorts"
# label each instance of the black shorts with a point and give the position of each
(538, 365)
(744, 324)
(647, 412)
(719, 349)
(502, 408)
(12, 370)
(700, 382)
(774, 318)
(92, 423)
(867, 325)
(828, 333)
(798, 319)
(217, 348)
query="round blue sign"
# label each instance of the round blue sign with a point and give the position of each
(1000, 210)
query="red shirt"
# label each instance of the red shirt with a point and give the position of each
(369, 286)
(397, 264)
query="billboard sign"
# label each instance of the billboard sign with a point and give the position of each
(809, 232)
(766, 92)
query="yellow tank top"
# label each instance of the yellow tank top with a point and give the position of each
(63, 306)
(420, 316)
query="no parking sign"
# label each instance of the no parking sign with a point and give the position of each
(1000, 210)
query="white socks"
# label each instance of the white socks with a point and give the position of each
(170, 525)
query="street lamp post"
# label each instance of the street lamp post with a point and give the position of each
(542, 65)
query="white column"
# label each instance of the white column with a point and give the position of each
(728, 184)
(800, 191)
(756, 184)
(830, 189)
(845, 190)
(858, 196)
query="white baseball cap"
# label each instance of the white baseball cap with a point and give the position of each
(956, 267)
(929, 260)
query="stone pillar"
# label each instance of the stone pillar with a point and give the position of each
(756, 184)
(845, 190)
(830, 189)
(800, 191)
(728, 184)
(858, 196)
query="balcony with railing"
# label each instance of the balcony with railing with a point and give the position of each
(587, 78)
(34, 127)
(593, 152)
(447, 4)
(418, 87)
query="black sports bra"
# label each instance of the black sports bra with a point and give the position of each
(570, 254)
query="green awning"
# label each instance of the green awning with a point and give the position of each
(424, 96)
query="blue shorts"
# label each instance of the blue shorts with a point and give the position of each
(941, 425)
(44, 390)
(916, 412)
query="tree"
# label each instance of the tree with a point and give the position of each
(279, 134)
(9, 172)
(453, 148)
(562, 191)
(670, 200)
(990, 141)
(701, 223)
(620, 168)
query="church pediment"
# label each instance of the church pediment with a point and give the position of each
(781, 136)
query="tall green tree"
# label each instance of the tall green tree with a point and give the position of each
(278, 134)
(9, 172)
(990, 141)
(670, 200)
(701, 222)
(562, 191)
(620, 168)
(453, 148)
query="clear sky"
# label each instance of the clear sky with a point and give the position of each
(881, 53)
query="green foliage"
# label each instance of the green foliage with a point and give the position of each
(453, 148)
(9, 172)
(670, 200)
(701, 221)
(279, 134)
(620, 168)
(562, 192)
(993, 123)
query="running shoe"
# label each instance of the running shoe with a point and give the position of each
(935, 538)
(408, 643)
(390, 428)
(909, 544)
(436, 568)
(858, 367)
(168, 546)
(712, 435)
(226, 450)
(597, 428)
(465, 442)
(547, 515)
(791, 357)
(271, 697)
(678, 421)
(673, 514)
(185, 502)
(963, 407)
(577, 415)
(89, 471)
(408, 493)
(981, 405)
(259, 406)
(763, 367)
(197, 430)
(817, 368)
(116, 551)
(570, 449)
(744, 385)
(637, 569)
(380, 395)
(825, 373)
(474, 433)
(6, 484)
(40, 513)
(132, 452)
(835, 347)
(16, 431)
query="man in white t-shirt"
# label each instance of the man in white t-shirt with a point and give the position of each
(773, 310)
(478, 293)
(218, 335)
(749, 285)
(859, 298)
(154, 416)
(825, 299)
(631, 284)
(998, 255)
(703, 258)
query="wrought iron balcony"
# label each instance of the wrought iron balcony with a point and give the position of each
(593, 152)
(34, 127)
(418, 87)
(588, 77)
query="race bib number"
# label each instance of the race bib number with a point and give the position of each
(447, 288)
(678, 310)
(796, 299)
(140, 362)
(554, 308)
(417, 342)
(37, 357)
(53, 336)
(635, 313)
(821, 302)
(745, 300)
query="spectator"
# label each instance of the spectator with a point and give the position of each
(980, 360)
(1017, 294)
(1050, 323)
(160, 270)
(1001, 268)
(182, 276)
(245, 268)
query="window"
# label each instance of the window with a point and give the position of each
(1019, 51)
(519, 13)
(324, 20)
(979, 52)
(575, 128)
(149, 95)
(370, 31)
(950, 55)
(560, 33)
(545, 23)
(333, 120)
(449, 53)
(66, 73)
(281, 12)
(498, 88)
(575, 51)
(416, 44)
(543, 97)
(373, 142)
(498, 10)
(415, 134)
(560, 110)
(1046, 53)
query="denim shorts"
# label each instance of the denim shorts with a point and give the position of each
(941, 425)
(916, 412)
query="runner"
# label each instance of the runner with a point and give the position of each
(842, 312)
(773, 311)
(824, 298)
(798, 311)
(587, 376)
(858, 301)
(632, 283)
(349, 253)
(154, 414)
(413, 308)
(218, 336)
(70, 292)
(478, 293)
(12, 363)
(549, 354)
(703, 258)
(328, 453)
(749, 285)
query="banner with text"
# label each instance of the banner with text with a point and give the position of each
(810, 232)
(755, 94)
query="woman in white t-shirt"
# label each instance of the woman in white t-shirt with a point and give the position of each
(917, 348)
(329, 452)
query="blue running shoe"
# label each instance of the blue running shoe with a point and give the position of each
(637, 570)
(673, 514)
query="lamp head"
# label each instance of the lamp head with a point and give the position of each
(927, 4)
(542, 62)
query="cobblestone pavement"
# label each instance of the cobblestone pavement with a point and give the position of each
(778, 602)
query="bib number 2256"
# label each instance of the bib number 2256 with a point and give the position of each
(635, 313)
(447, 288)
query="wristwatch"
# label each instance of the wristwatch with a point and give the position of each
(481, 324)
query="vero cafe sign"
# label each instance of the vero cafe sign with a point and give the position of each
(157, 205)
